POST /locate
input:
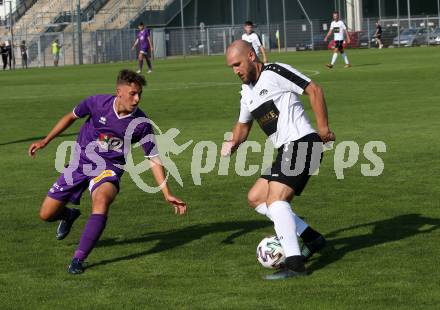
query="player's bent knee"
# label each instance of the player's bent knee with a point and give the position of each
(252, 201)
(45, 215)
(282, 193)
(101, 204)
(255, 198)
(49, 208)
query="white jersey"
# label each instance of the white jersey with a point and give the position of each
(274, 102)
(254, 40)
(338, 30)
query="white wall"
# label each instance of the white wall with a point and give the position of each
(354, 15)
(6, 7)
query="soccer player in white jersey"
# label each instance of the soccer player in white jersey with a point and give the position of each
(339, 29)
(250, 36)
(270, 94)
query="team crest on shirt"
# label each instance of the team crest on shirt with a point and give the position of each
(263, 92)
(108, 142)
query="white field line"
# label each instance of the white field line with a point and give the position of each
(182, 86)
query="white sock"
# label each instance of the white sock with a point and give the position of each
(300, 224)
(262, 209)
(335, 56)
(345, 58)
(285, 227)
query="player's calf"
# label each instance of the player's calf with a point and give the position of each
(52, 210)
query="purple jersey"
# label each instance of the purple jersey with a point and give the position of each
(100, 146)
(107, 129)
(143, 36)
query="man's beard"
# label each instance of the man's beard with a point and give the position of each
(251, 76)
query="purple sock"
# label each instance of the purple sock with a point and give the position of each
(91, 233)
(141, 64)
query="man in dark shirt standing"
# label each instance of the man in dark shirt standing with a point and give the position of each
(378, 34)
(24, 56)
(10, 55)
(4, 54)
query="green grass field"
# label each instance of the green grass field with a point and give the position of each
(383, 231)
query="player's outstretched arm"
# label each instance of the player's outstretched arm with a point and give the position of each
(159, 175)
(347, 35)
(319, 107)
(263, 52)
(62, 125)
(150, 44)
(135, 44)
(328, 34)
(239, 135)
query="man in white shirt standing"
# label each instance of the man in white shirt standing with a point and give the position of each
(270, 95)
(250, 36)
(339, 29)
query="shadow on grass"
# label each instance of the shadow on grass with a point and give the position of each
(36, 139)
(168, 240)
(367, 65)
(389, 230)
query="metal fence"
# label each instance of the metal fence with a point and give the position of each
(102, 46)
(406, 32)
(105, 46)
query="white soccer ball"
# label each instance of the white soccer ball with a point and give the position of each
(270, 253)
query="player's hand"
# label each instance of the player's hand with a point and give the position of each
(327, 135)
(227, 148)
(35, 147)
(179, 205)
(325, 39)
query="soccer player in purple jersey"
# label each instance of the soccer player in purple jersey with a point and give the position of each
(143, 39)
(98, 159)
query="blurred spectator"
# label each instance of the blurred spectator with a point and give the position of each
(4, 54)
(24, 56)
(56, 47)
(9, 53)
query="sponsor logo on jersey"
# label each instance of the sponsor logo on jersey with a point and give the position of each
(108, 142)
(102, 120)
(263, 92)
(267, 117)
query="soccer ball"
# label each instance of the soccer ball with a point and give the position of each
(270, 253)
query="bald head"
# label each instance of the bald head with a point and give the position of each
(239, 46)
(241, 57)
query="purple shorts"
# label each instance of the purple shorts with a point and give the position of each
(71, 190)
(146, 52)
